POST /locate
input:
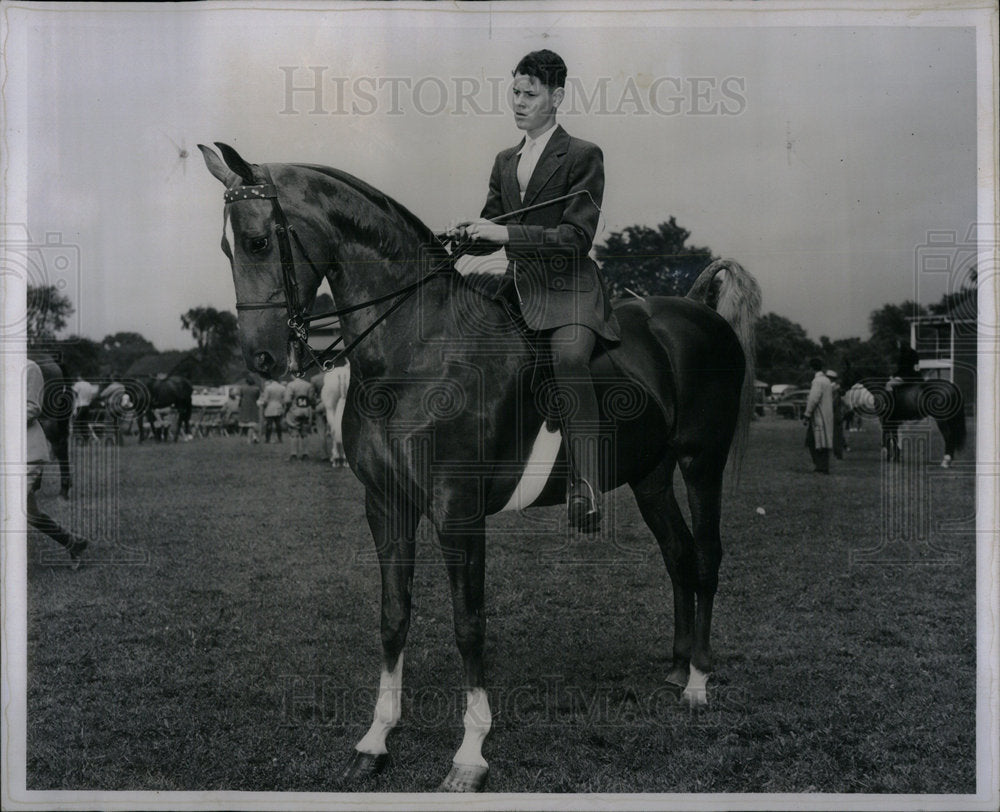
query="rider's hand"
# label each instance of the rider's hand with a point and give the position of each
(457, 231)
(483, 230)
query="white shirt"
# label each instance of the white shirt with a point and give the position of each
(530, 152)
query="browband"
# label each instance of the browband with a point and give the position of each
(261, 191)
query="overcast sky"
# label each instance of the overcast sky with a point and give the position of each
(820, 156)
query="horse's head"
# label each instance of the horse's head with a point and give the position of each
(273, 281)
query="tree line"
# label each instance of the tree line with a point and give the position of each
(637, 261)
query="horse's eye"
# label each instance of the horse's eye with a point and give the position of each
(258, 244)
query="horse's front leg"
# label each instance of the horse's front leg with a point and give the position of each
(464, 554)
(393, 521)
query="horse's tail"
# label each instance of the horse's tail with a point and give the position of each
(738, 301)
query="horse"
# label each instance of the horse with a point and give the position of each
(56, 416)
(895, 403)
(163, 393)
(449, 418)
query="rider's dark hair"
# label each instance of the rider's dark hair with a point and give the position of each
(546, 66)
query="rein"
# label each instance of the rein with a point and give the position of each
(298, 319)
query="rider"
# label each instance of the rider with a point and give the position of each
(906, 365)
(560, 290)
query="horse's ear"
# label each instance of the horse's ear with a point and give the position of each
(218, 169)
(235, 162)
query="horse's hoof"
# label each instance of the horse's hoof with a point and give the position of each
(363, 765)
(946, 462)
(465, 778)
(694, 700)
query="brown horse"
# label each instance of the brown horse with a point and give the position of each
(447, 419)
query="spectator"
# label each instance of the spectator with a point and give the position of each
(818, 416)
(839, 440)
(37, 455)
(249, 410)
(272, 400)
(299, 400)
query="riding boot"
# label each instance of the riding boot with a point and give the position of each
(572, 347)
(583, 507)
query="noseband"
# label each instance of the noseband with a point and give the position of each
(298, 318)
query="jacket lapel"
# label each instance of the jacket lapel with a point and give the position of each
(550, 160)
(509, 191)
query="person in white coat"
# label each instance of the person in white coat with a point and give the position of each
(818, 416)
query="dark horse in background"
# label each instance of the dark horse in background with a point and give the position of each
(163, 393)
(57, 414)
(895, 403)
(443, 421)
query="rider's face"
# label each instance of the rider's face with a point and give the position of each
(534, 104)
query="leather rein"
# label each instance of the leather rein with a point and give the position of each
(298, 319)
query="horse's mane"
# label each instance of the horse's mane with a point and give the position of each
(394, 210)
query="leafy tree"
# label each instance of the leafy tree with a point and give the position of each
(215, 331)
(123, 349)
(962, 303)
(651, 261)
(48, 311)
(783, 350)
(217, 335)
(80, 356)
(889, 324)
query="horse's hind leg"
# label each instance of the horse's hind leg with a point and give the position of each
(703, 477)
(659, 508)
(393, 522)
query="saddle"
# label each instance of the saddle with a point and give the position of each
(641, 356)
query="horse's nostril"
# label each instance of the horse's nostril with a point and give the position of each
(263, 361)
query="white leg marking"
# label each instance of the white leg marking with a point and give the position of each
(946, 462)
(536, 471)
(387, 711)
(696, 692)
(478, 721)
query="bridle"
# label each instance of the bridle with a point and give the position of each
(298, 319)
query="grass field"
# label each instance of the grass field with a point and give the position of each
(224, 634)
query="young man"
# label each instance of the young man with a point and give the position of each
(560, 291)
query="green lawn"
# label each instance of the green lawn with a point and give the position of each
(224, 634)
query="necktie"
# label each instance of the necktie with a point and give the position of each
(525, 166)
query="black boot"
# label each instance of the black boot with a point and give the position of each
(584, 510)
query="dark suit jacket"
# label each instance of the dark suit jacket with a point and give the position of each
(557, 282)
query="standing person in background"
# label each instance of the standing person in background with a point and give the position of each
(334, 398)
(818, 416)
(839, 441)
(84, 393)
(37, 455)
(249, 411)
(272, 399)
(299, 401)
